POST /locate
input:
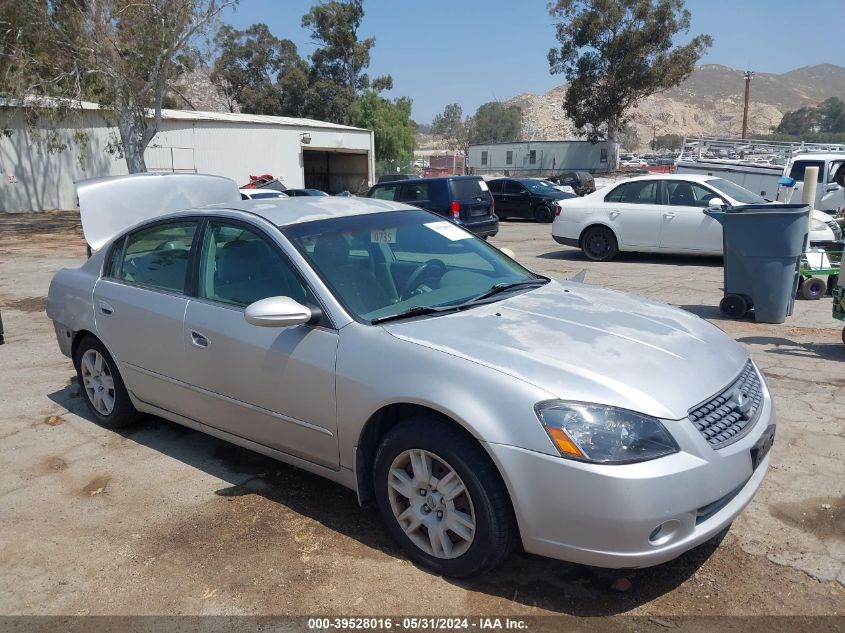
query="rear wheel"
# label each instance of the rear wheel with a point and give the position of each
(543, 213)
(442, 499)
(813, 288)
(599, 244)
(101, 384)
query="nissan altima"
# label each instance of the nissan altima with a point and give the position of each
(477, 404)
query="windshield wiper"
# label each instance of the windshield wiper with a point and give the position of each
(508, 285)
(412, 311)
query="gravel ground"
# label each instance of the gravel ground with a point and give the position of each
(159, 519)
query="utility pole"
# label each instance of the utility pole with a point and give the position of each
(654, 136)
(748, 75)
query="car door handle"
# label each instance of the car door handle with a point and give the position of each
(614, 214)
(669, 215)
(105, 308)
(199, 340)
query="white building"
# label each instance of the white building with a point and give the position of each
(300, 152)
(540, 158)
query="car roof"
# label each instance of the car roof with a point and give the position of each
(688, 177)
(416, 181)
(110, 206)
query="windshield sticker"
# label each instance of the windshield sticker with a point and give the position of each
(383, 236)
(483, 185)
(449, 231)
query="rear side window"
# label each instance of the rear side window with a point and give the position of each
(415, 192)
(495, 186)
(112, 267)
(158, 256)
(386, 193)
(800, 166)
(640, 192)
(467, 189)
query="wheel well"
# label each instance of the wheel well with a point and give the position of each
(81, 334)
(379, 424)
(593, 226)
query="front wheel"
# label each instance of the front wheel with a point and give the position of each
(813, 288)
(599, 244)
(442, 499)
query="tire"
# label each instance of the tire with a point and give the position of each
(543, 214)
(484, 500)
(599, 244)
(813, 288)
(843, 335)
(104, 380)
(733, 306)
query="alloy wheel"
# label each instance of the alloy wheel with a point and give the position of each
(97, 381)
(431, 503)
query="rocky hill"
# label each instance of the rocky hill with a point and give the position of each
(709, 102)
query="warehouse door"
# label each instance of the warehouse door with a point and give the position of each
(335, 171)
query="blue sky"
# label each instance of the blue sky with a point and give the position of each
(473, 51)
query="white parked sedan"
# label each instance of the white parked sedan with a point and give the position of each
(657, 214)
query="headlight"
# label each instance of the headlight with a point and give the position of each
(603, 435)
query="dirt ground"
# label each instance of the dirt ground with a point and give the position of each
(159, 519)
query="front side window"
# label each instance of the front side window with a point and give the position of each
(800, 166)
(735, 191)
(383, 264)
(158, 256)
(514, 186)
(386, 193)
(239, 267)
(687, 194)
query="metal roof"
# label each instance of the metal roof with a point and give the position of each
(193, 115)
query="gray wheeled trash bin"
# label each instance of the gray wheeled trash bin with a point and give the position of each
(763, 244)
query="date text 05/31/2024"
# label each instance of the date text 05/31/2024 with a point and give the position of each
(409, 623)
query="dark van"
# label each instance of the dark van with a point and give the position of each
(465, 200)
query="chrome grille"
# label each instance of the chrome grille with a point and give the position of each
(728, 415)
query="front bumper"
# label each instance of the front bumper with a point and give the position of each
(608, 516)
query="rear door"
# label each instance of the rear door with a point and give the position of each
(139, 306)
(684, 226)
(635, 212)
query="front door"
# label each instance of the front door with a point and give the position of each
(274, 386)
(139, 305)
(685, 226)
(515, 200)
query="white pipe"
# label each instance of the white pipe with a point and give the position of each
(811, 176)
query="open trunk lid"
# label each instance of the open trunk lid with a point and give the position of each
(110, 205)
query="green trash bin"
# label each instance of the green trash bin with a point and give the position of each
(762, 246)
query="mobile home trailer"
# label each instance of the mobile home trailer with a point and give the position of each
(540, 158)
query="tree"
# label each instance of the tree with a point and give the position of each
(672, 142)
(615, 53)
(451, 127)
(629, 138)
(338, 64)
(390, 122)
(494, 122)
(124, 54)
(799, 122)
(248, 66)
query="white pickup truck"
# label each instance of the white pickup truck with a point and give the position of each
(830, 195)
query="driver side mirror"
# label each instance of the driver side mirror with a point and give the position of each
(278, 312)
(525, 193)
(715, 203)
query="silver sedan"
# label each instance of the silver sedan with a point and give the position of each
(476, 403)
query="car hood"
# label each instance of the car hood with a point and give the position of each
(589, 344)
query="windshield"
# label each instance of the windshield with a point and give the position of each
(382, 264)
(733, 190)
(538, 186)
